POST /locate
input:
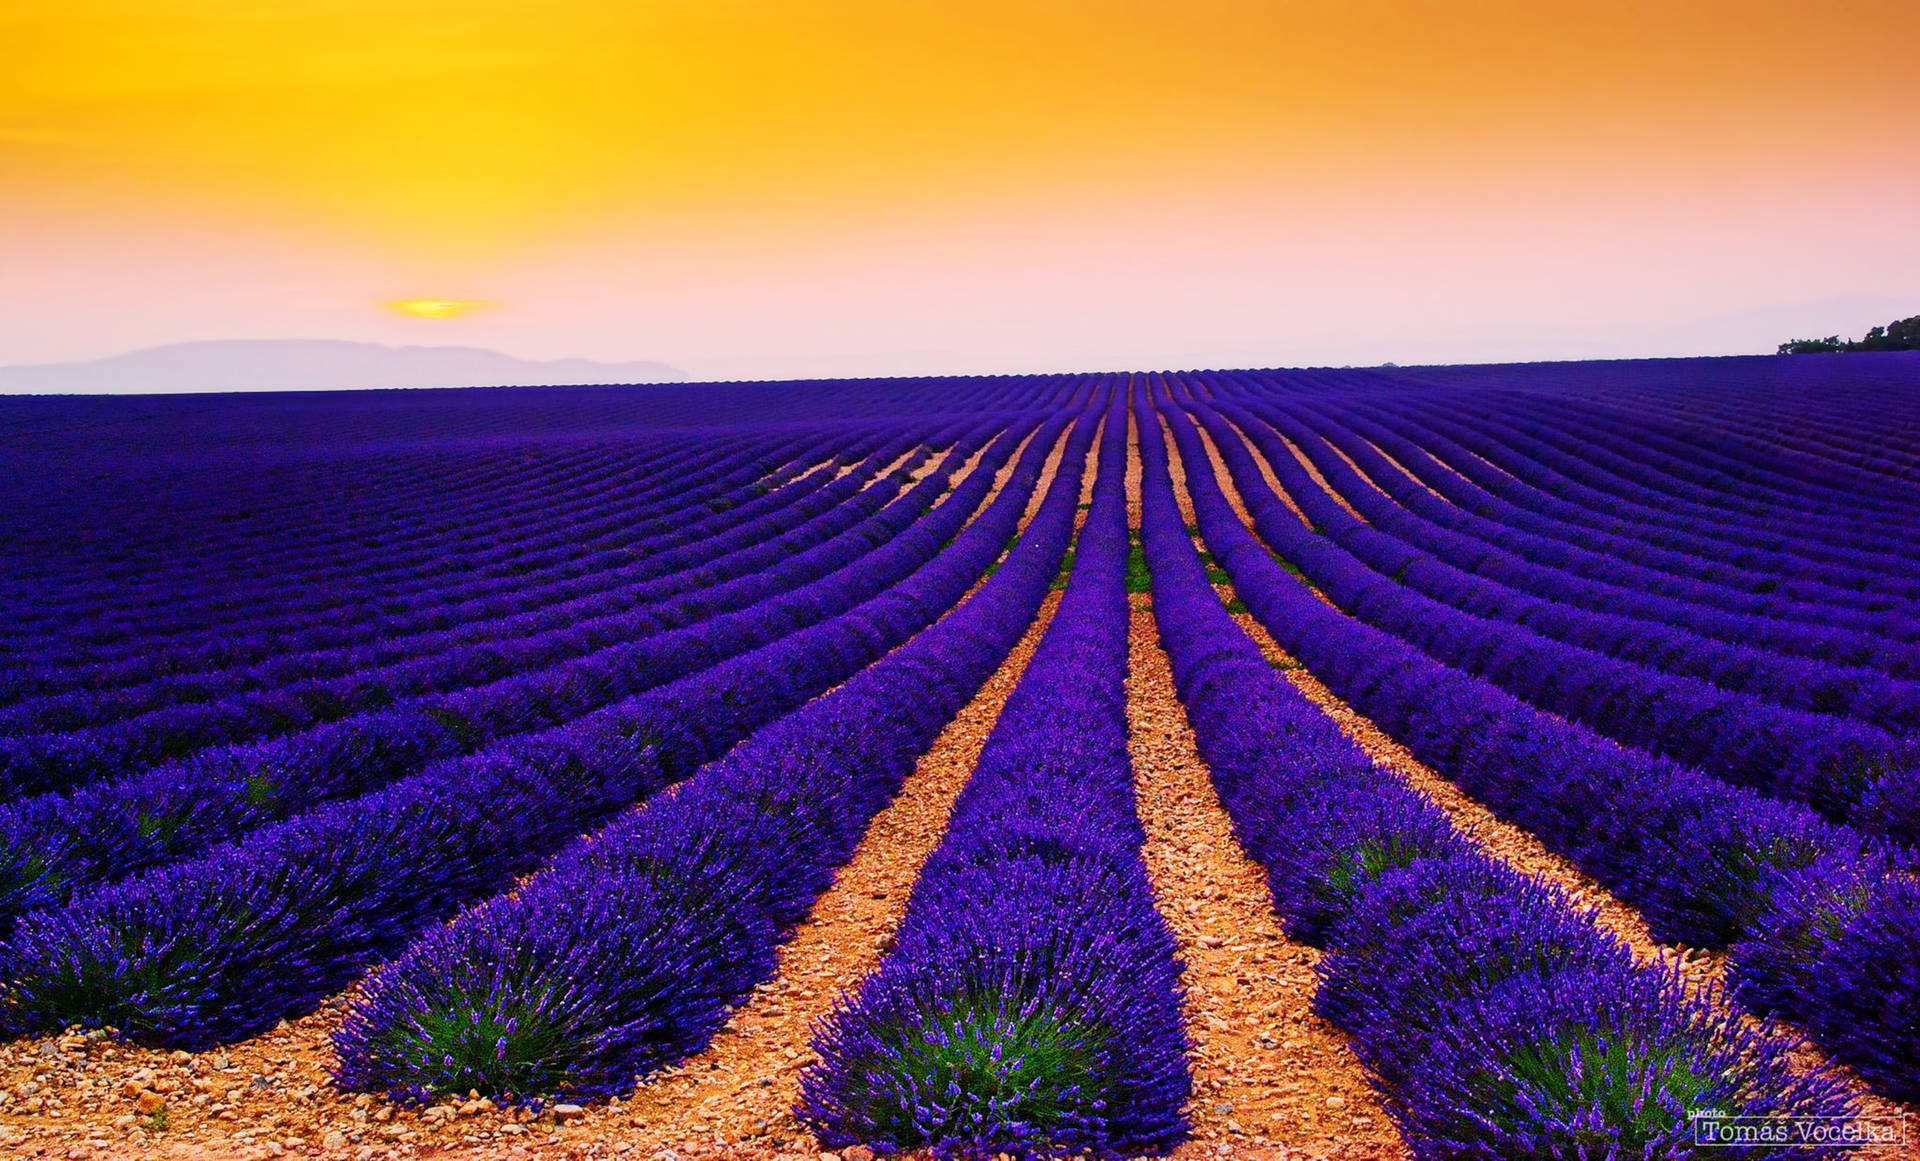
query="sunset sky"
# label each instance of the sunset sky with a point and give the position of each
(759, 189)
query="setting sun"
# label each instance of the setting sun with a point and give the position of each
(741, 188)
(435, 307)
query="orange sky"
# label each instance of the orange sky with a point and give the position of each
(867, 186)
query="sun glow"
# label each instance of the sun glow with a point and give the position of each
(761, 189)
(434, 307)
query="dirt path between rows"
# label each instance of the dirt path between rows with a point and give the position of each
(1518, 847)
(1270, 1078)
(741, 1090)
(89, 1097)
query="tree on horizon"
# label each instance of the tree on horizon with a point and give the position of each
(1900, 335)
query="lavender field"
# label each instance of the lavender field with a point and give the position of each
(1489, 762)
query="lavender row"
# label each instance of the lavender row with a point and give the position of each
(1792, 626)
(222, 947)
(331, 513)
(474, 480)
(1851, 665)
(125, 724)
(38, 762)
(1548, 478)
(194, 469)
(1621, 459)
(1829, 440)
(52, 846)
(1475, 997)
(492, 599)
(1760, 408)
(347, 605)
(1688, 555)
(1837, 421)
(269, 600)
(222, 481)
(1031, 1002)
(1708, 864)
(280, 659)
(1846, 526)
(520, 681)
(627, 953)
(1413, 559)
(1497, 495)
(186, 466)
(1848, 770)
(1469, 482)
(413, 547)
(436, 425)
(1711, 474)
(689, 566)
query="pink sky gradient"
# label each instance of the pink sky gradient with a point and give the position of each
(1646, 198)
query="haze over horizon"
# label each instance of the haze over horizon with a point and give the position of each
(848, 187)
(312, 365)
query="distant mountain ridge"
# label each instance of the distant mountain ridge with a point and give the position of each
(312, 365)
